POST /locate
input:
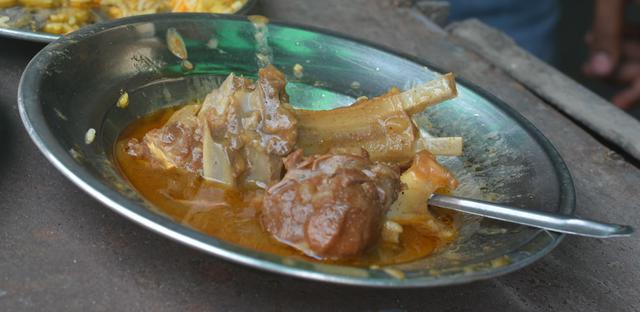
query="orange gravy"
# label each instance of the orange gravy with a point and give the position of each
(234, 216)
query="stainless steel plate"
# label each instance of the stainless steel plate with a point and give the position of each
(72, 85)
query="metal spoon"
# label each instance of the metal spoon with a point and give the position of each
(545, 220)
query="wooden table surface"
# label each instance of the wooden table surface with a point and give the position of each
(61, 250)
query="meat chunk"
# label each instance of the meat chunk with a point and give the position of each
(237, 137)
(252, 127)
(177, 144)
(330, 206)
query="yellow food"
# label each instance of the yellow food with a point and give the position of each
(70, 15)
(40, 4)
(124, 8)
(66, 20)
(83, 4)
(123, 100)
(213, 6)
(7, 3)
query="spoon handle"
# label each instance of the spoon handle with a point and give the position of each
(545, 220)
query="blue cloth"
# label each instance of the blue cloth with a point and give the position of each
(530, 23)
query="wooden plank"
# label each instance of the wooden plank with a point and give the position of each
(550, 84)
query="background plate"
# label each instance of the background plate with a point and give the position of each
(46, 37)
